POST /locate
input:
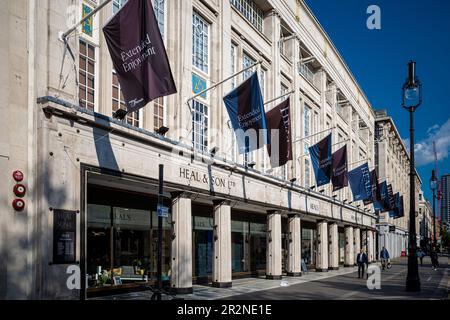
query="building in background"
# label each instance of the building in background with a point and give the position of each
(392, 163)
(424, 227)
(445, 199)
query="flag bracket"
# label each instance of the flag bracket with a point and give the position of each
(63, 35)
(279, 97)
(314, 134)
(221, 82)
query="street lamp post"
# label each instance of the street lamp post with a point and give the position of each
(411, 100)
(433, 187)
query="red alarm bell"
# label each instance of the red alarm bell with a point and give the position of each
(18, 204)
(19, 190)
(18, 175)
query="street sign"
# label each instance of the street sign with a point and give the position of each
(162, 211)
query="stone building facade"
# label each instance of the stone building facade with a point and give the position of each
(229, 215)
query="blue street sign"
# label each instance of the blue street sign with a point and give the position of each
(162, 211)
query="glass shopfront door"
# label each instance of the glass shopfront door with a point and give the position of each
(248, 244)
(203, 248)
(341, 242)
(309, 246)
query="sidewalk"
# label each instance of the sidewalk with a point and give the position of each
(240, 286)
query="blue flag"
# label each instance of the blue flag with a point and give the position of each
(359, 180)
(322, 161)
(398, 209)
(245, 107)
(384, 197)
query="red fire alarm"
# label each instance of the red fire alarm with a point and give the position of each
(18, 175)
(18, 204)
(19, 190)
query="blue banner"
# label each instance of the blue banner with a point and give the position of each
(359, 180)
(245, 107)
(384, 196)
(322, 161)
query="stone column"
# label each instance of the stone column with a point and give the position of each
(349, 258)
(181, 267)
(333, 247)
(356, 242)
(295, 249)
(322, 246)
(273, 263)
(369, 236)
(222, 244)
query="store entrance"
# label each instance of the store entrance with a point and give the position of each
(341, 243)
(309, 244)
(248, 244)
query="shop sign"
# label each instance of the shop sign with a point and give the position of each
(312, 206)
(64, 236)
(163, 211)
(212, 181)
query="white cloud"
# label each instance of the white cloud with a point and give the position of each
(424, 148)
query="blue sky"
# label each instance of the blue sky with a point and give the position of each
(414, 29)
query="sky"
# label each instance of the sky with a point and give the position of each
(416, 30)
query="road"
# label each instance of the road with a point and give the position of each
(434, 285)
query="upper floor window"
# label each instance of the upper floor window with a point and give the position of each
(250, 11)
(200, 43)
(233, 65)
(158, 113)
(158, 8)
(307, 121)
(118, 102)
(86, 86)
(117, 4)
(200, 126)
(247, 61)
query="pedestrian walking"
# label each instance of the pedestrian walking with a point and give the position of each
(384, 255)
(362, 260)
(420, 255)
(434, 258)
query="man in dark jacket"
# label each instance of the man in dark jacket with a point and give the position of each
(384, 255)
(362, 260)
(434, 258)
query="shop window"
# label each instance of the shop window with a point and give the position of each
(122, 246)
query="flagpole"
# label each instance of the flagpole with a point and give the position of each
(75, 26)
(314, 134)
(279, 97)
(358, 161)
(224, 80)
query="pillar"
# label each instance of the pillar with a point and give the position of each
(222, 244)
(333, 247)
(349, 257)
(374, 245)
(356, 242)
(369, 245)
(181, 266)
(273, 264)
(295, 249)
(322, 246)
